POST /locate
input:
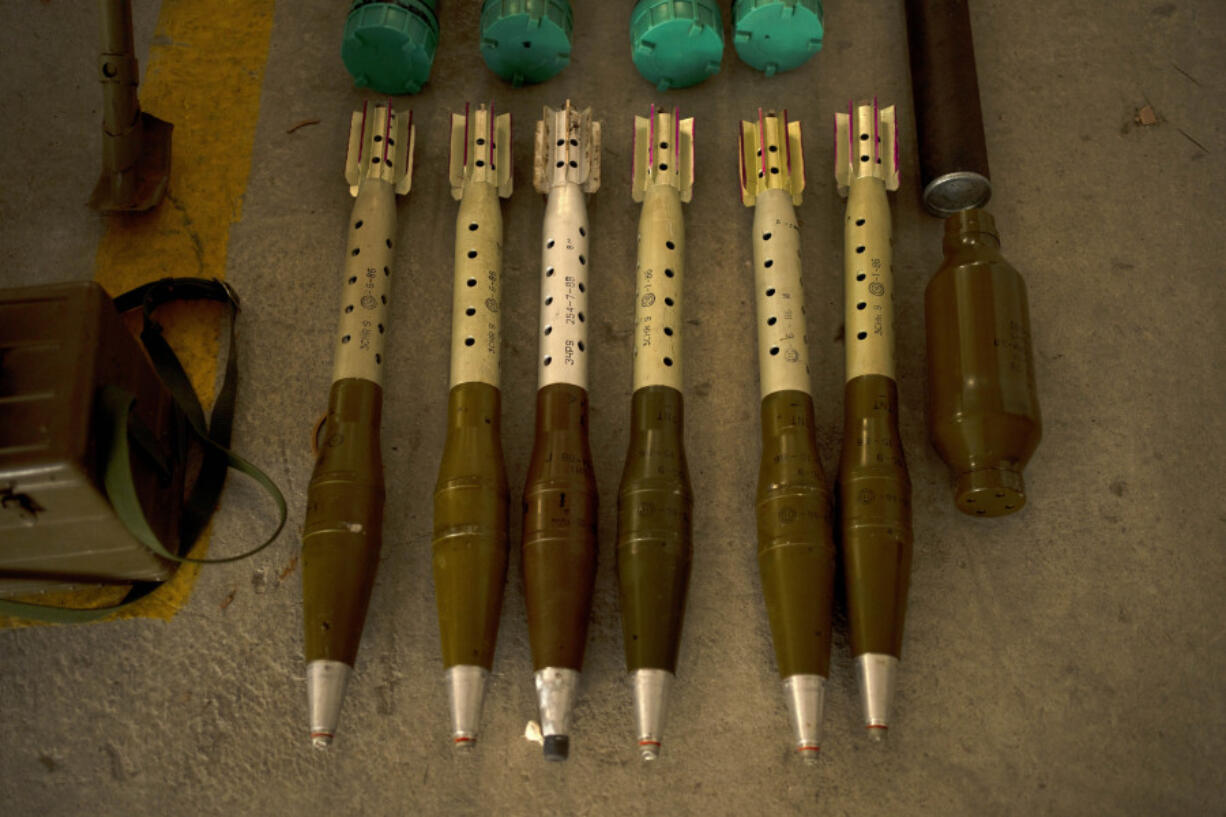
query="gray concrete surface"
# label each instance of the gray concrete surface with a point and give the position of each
(1069, 660)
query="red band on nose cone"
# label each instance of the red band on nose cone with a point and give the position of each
(465, 740)
(322, 735)
(649, 743)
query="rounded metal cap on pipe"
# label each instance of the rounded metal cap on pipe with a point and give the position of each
(953, 154)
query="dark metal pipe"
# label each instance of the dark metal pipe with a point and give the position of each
(953, 155)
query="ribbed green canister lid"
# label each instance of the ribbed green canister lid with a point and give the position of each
(390, 46)
(526, 41)
(676, 43)
(776, 35)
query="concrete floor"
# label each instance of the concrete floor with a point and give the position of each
(1068, 660)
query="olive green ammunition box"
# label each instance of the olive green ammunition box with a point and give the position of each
(59, 345)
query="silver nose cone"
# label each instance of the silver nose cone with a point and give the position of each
(326, 682)
(805, 696)
(465, 695)
(877, 674)
(651, 687)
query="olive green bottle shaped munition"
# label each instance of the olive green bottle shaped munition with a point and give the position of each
(344, 513)
(655, 502)
(983, 406)
(470, 497)
(795, 546)
(874, 489)
(559, 544)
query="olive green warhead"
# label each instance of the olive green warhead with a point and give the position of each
(655, 502)
(983, 406)
(343, 530)
(795, 546)
(874, 489)
(559, 533)
(470, 497)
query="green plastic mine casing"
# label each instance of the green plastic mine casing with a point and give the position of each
(526, 41)
(389, 47)
(776, 35)
(676, 43)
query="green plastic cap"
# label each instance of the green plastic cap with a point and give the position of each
(390, 46)
(777, 35)
(676, 43)
(526, 41)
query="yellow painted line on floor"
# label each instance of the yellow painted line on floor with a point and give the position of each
(203, 74)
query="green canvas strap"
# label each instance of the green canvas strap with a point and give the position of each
(121, 490)
(199, 504)
(114, 406)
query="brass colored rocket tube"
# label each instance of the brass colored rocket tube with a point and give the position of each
(559, 529)
(470, 496)
(655, 501)
(874, 489)
(983, 405)
(795, 545)
(344, 517)
(343, 530)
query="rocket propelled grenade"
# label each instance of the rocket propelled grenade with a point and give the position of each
(470, 497)
(559, 531)
(795, 546)
(874, 489)
(344, 515)
(655, 502)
